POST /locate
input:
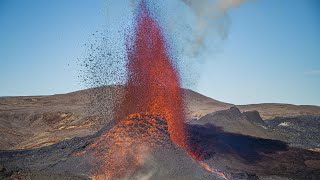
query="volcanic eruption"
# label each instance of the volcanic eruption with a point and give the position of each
(137, 122)
(151, 113)
(153, 85)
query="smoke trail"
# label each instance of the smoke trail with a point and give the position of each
(212, 18)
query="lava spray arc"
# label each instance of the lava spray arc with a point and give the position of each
(151, 113)
(153, 84)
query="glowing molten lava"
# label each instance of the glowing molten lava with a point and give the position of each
(151, 112)
(153, 84)
(125, 146)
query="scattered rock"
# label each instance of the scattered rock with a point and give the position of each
(232, 120)
(254, 117)
(2, 169)
(300, 131)
(244, 176)
(313, 163)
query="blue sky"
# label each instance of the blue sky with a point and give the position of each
(272, 52)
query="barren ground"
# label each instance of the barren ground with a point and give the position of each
(266, 141)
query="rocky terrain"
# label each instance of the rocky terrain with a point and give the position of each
(301, 131)
(48, 137)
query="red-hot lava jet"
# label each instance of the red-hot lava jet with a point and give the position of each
(151, 111)
(153, 84)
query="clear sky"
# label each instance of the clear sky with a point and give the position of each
(272, 52)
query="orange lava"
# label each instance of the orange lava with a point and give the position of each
(125, 146)
(153, 84)
(208, 168)
(152, 96)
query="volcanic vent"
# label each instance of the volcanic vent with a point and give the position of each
(125, 146)
(151, 114)
(153, 84)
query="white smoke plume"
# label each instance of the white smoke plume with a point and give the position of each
(212, 18)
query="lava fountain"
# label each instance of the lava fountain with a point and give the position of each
(151, 111)
(153, 84)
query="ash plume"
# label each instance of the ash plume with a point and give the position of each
(211, 19)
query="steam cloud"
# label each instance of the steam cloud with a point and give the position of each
(211, 17)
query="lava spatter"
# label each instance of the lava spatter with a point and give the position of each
(151, 113)
(123, 147)
(153, 83)
(152, 108)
